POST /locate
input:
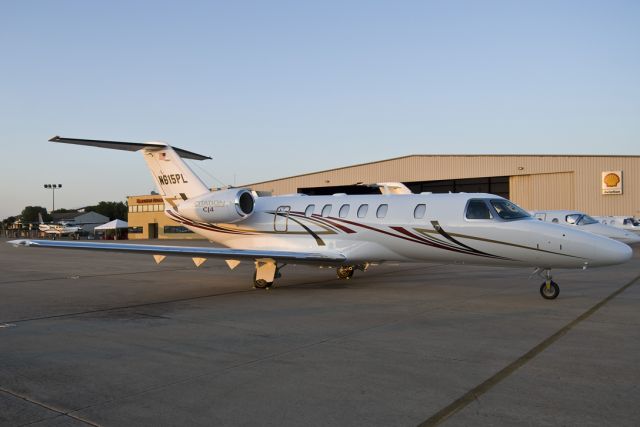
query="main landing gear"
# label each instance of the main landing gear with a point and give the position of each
(549, 289)
(345, 272)
(267, 270)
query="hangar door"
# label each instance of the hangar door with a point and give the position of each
(544, 191)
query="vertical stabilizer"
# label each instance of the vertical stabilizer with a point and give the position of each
(173, 177)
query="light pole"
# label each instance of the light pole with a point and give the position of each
(53, 192)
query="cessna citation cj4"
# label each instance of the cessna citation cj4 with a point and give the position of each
(350, 232)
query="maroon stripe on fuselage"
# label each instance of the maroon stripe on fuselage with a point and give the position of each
(410, 237)
(202, 226)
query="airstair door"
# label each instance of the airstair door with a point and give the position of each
(281, 220)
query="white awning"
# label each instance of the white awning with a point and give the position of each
(112, 225)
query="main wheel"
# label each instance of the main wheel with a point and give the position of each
(345, 272)
(549, 290)
(261, 283)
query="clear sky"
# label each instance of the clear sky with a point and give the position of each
(277, 88)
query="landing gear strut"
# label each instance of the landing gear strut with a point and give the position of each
(549, 289)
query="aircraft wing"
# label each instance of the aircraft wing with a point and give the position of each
(190, 251)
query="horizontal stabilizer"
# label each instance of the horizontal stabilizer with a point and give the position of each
(330, 258)
(128, 146)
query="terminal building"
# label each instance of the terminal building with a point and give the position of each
(595, 184)
(147, 220)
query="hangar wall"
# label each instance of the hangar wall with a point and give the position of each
(551, 190)
(536, 181)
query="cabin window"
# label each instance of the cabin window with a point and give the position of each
(554, 220)
(326, 210)
(344, 211)
(382, 211)
(362, 211)
(478, 209)
(309, 210)
(419, 211)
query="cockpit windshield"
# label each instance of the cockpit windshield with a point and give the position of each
(586, 220)
(508, 210)
(573, 218)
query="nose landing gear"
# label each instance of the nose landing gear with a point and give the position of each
(549, 289)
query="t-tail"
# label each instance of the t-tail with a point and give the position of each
(174, 179)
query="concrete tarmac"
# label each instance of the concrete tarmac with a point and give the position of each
(112, 339)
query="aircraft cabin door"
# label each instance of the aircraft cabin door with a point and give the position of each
(281, 219)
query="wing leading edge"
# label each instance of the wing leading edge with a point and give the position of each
(190, 251)
(128, 146)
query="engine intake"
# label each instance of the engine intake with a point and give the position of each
(219, 207)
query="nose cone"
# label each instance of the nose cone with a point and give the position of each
(611, 252)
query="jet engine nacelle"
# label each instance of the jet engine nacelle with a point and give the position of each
(223, 207)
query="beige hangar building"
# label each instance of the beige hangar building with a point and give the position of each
(535, 182)
(596, 184)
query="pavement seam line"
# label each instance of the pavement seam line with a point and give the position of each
(254, 361)
(482, 388)
(178, 300)
(47, 407)
(89, 276)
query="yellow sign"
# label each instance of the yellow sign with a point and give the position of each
(612, 182)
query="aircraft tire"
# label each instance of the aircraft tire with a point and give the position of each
(550, 292)
(262, 284)
(345, 272)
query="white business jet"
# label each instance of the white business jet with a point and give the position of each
(350, 232)
(587, 223)
(60, 229)
(624, 222)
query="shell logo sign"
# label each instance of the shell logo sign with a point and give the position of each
(612, 182)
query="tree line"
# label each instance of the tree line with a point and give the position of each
(112, 210)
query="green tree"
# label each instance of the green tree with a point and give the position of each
(8, 221)
(30, 214)
(114, 210)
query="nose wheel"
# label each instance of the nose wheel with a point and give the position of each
(549, 289)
